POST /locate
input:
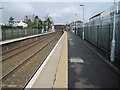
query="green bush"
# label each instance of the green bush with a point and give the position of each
(11, 27)
(20, 27)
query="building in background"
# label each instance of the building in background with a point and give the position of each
(20, 23)
(59, 26)
(76, 25)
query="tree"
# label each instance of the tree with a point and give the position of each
(40, 23)
(48, 21)
(11, 21)
(36, 18)
(37, 23)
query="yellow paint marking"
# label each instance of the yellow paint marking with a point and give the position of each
(61, 80)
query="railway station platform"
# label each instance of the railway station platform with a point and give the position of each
(74, 64)
(22, 38)
(53, 73)
(87, 68)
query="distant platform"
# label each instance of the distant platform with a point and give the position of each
(22, 38)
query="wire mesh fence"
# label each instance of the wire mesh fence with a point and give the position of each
(16, 33)
(100, 33)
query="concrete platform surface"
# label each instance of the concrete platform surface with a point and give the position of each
(61, 80)
(87, 69)
(46, 74)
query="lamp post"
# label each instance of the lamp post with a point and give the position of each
(25, 19)
(1, 46)
(112, 54)
(37, 25)
(0, 25)
(25, 29)
(83, 22)
(75, 22)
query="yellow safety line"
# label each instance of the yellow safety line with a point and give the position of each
(61, 80)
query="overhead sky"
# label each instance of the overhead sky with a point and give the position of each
(59, 10)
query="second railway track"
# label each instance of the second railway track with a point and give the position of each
(14, 51)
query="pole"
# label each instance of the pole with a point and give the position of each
(112, 54)
(1, 46)
(75, 22)
(74, 25)
(0, 25)
(25, 29)
(117, 7)
(37, 26)
(83, 23)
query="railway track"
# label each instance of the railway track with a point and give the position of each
(23, 60)
(21, 70)
(12, 52)
(17, 58)
(10, 47)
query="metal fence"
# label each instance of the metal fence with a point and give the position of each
(16, 33)
(100, 33)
